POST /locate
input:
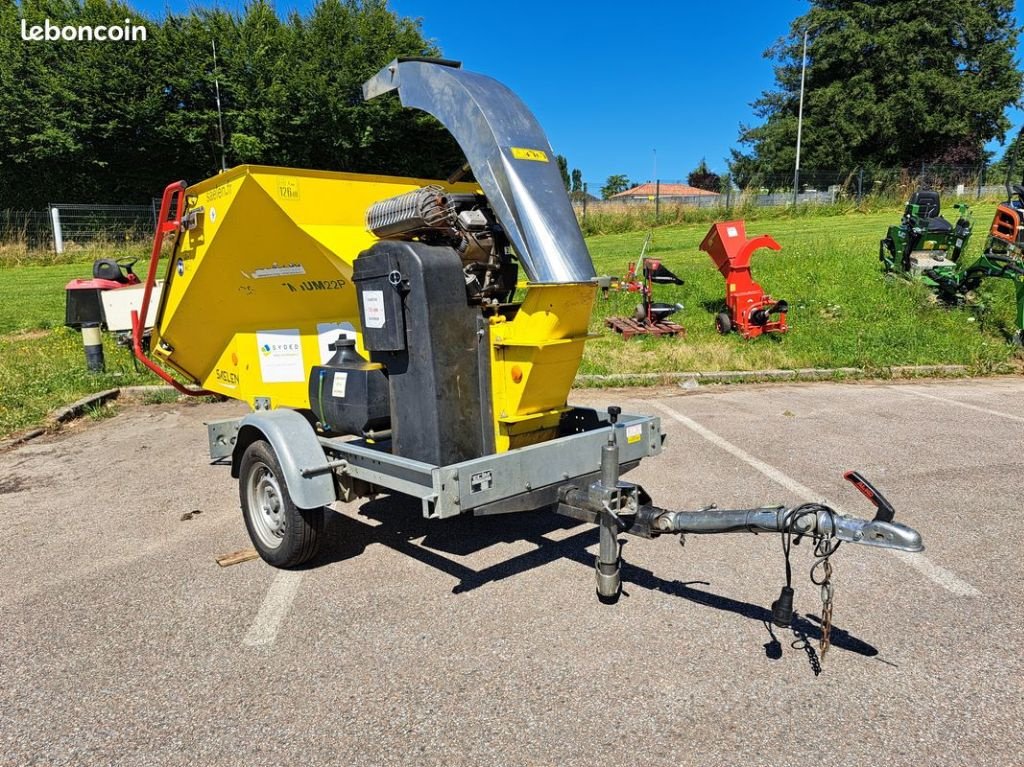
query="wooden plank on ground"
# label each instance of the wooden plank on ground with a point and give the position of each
(235, 557)
(630, 327)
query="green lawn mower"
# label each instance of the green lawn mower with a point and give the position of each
(925, 246)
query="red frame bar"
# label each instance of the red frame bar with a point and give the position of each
(164, 224)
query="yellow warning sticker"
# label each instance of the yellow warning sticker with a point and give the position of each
(529, 154)
(634, 433)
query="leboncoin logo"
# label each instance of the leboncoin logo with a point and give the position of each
(50, 32)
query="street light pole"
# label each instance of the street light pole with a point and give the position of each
(800, 122)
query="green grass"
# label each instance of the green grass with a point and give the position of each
(42, 365)
(844, 313)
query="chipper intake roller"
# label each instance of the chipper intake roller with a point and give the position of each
(417, 337)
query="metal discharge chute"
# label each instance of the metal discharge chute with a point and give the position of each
(510, 157)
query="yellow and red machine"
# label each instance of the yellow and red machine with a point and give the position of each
(416, 337)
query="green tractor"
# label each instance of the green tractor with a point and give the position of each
(925, 246)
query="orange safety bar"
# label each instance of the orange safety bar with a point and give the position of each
(168, 222)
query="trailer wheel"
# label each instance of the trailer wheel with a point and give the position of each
(723, 323)
(283, 534)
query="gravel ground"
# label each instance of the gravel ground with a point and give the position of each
(479, 641)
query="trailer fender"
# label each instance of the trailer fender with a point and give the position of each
(297, 448)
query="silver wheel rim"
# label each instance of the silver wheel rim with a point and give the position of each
(266, 506)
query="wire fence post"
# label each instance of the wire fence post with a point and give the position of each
(860, 185)
(981, 178)
(585, 195)
(58, 235)
(657, 199)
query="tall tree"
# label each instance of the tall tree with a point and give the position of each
(563, 168)
(1012, 160)
(614, 185)
(890, 83)
(577, 181)
(115, 122)
(702, 177)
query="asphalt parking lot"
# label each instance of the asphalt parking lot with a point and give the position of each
(480, 642)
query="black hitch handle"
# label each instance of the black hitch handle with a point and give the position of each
(884, 511)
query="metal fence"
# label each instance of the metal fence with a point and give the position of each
(816, 186)
(68, 226)
(26, 227)
(108, 224)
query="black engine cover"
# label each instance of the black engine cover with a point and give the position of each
(417, 322)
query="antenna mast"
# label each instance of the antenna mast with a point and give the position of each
(220, 118)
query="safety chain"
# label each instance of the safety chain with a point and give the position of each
(827, 595)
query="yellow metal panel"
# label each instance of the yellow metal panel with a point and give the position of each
(534, 359)
(256, 289)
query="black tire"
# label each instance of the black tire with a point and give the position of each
(283, 534)
(723, 323)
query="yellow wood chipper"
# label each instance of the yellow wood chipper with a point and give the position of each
(419, 337)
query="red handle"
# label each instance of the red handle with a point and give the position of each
(174, 195)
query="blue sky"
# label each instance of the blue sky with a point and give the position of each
(619, 86)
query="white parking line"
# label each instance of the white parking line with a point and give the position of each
(275, 607)
(1000, 413)
(919, 562)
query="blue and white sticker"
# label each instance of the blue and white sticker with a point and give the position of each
(181, 267)
(213, 215)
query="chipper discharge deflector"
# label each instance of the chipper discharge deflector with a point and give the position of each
(749, 310)
(375, 327)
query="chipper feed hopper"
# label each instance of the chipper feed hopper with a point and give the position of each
(749, 310)
(417, 337)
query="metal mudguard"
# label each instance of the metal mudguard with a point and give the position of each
(296, 446)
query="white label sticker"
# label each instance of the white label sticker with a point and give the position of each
(634, 433)
(339, 384)
(291, 270)
(731, 231)
(280, 353)
(327, 333)
(373, 309)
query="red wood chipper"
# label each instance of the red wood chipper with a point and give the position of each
(749, 309)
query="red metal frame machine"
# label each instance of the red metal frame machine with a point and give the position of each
(749, 310)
